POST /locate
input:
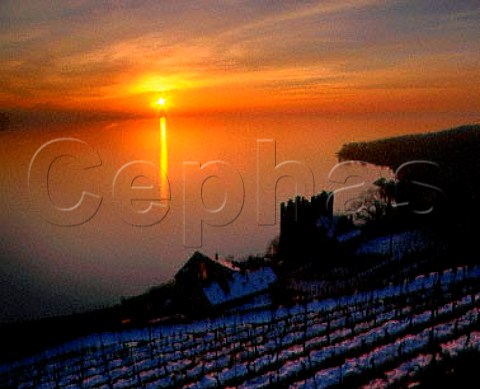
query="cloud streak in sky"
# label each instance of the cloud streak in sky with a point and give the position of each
(216, 56)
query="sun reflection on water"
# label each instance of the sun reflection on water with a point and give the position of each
(164, 186)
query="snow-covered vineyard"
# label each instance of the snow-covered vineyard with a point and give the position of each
(385, 337)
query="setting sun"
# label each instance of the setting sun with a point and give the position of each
(161, 102)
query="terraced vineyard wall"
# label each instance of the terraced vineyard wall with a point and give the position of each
(383, 337)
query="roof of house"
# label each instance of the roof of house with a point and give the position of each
(192, 264)
(240, 285)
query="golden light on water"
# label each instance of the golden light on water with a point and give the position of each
(164, 185)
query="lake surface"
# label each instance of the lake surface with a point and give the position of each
(218, 173)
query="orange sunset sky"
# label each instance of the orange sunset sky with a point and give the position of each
(339, 56)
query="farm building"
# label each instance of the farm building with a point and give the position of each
(206, 283)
